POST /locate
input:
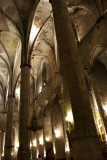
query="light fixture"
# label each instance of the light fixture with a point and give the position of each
(18, 91)
(47, 139)
(41, 140)
(44, 84)
(69, 117)
(40, 89)
(34, 143)
(12, 154)
(30, 144)
(67, 149)
(17, 145)
(105, 109)
(57, 133)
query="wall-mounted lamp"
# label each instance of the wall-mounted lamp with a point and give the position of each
(17, 145)
(69, 117)
(105, 109)
(67, 149)
(40, 89)
(30, 144)
(47, 139)
(18, 91)
(44, 84)
(70, 121)
(12, 154)
(41, 140)
(57, 133)
(34, 143)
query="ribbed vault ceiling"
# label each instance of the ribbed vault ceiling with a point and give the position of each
(34, 18)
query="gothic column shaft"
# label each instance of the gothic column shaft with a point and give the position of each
(37, 149)
(57, 129)
(9, 128)
(3, 141)
(0, 144)
(70, 68)
(65, 104)
(53, 134)
(72, 74)
(24, 138)
(44, 144)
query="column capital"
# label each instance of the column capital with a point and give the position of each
(25, 65)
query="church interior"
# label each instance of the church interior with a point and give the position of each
(53, 79)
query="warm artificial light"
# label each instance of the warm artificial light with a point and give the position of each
(18, 91)
(12, 154)
(34, 143)
(105, 109)
(41, 140)
(57, 133)
(69, 117)
(30, 144)
(47, 139)
(40, 89)
(17, 145)
(67, 149)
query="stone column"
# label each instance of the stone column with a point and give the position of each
(3, 142)
(44, 144)
(40, 142)
(48, 128)
(63, 103)
(52, 127)
(57, 129)
(9, 128)
(24, 133)
(97, 96)
(85, 145)
(0, 144)
(37, 149)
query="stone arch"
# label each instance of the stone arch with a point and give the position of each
(96, 51)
